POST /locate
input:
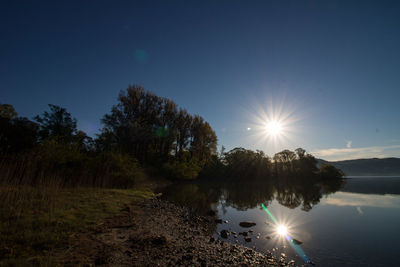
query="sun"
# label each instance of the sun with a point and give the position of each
(282, 230)
(274, 128)
(273, 125)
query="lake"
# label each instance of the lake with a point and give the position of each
(354, 222)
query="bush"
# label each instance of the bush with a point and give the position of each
(186, 170)
(330, 172)
(120, 170)
(61, 159)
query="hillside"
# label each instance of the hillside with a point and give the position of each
(367, 167)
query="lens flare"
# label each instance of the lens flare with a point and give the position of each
(275, 124)
(282, 230)
(274, 128)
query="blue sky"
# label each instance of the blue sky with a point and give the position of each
(330, 70)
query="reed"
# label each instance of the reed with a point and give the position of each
(41, 208)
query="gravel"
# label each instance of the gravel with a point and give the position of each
(158, 233)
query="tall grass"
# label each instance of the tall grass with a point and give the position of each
(43, 202)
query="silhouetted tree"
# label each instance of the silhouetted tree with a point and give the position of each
(17, 134)
(329, 171)
(284, 160)
(246, 164)
(152, 129)
(57, 124)
(183, 124)
(7, 111)
(299, 162)
(203, 139)
(300, 152)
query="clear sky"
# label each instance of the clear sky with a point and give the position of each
(328, 70)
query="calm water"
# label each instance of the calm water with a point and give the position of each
(351, 223)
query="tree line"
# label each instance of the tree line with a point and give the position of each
(154, 130)
(241, 164)
(143, 132)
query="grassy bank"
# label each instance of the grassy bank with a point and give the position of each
(36, 220)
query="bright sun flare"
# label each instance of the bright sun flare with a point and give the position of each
(281, 230)
(274, 128)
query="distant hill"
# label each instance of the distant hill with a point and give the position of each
(367, 167)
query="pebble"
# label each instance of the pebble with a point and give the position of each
(187, 240)
(225, 233)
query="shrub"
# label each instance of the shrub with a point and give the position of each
(61, 159)
(330, 172)
(186, 170)
(120, 169)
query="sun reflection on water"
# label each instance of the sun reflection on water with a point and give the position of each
(282, 230)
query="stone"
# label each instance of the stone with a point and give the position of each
(296, 241)
(247, 239)
(225, 233)
(247, 224)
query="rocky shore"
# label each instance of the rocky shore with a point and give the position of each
(158, 233)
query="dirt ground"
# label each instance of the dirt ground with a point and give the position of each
(158, 233)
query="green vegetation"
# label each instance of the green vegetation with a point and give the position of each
(142, 131)
(329, 172)
(153, 130)
(243, 164)
(55, 180)
(36, 220)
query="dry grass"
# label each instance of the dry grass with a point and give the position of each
(36, 218)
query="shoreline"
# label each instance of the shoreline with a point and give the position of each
(155, 232)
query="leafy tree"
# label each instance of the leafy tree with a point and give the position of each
(167, 130)
(7, 111)
(57, 124)
(85, 143)
(133, 122)
(245, 163)
(182, 169)
(203, 139)
(284, 160)
(183, 125)
(17, 134)
(300, 153)
(298, 162)
(329, 171)
(152, 129)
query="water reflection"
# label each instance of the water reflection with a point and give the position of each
(362, 200)
(355, 224)
(373, 185)
(288, 191)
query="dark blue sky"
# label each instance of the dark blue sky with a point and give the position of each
(333, 67)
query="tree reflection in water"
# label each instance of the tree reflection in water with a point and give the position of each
(291, 192)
